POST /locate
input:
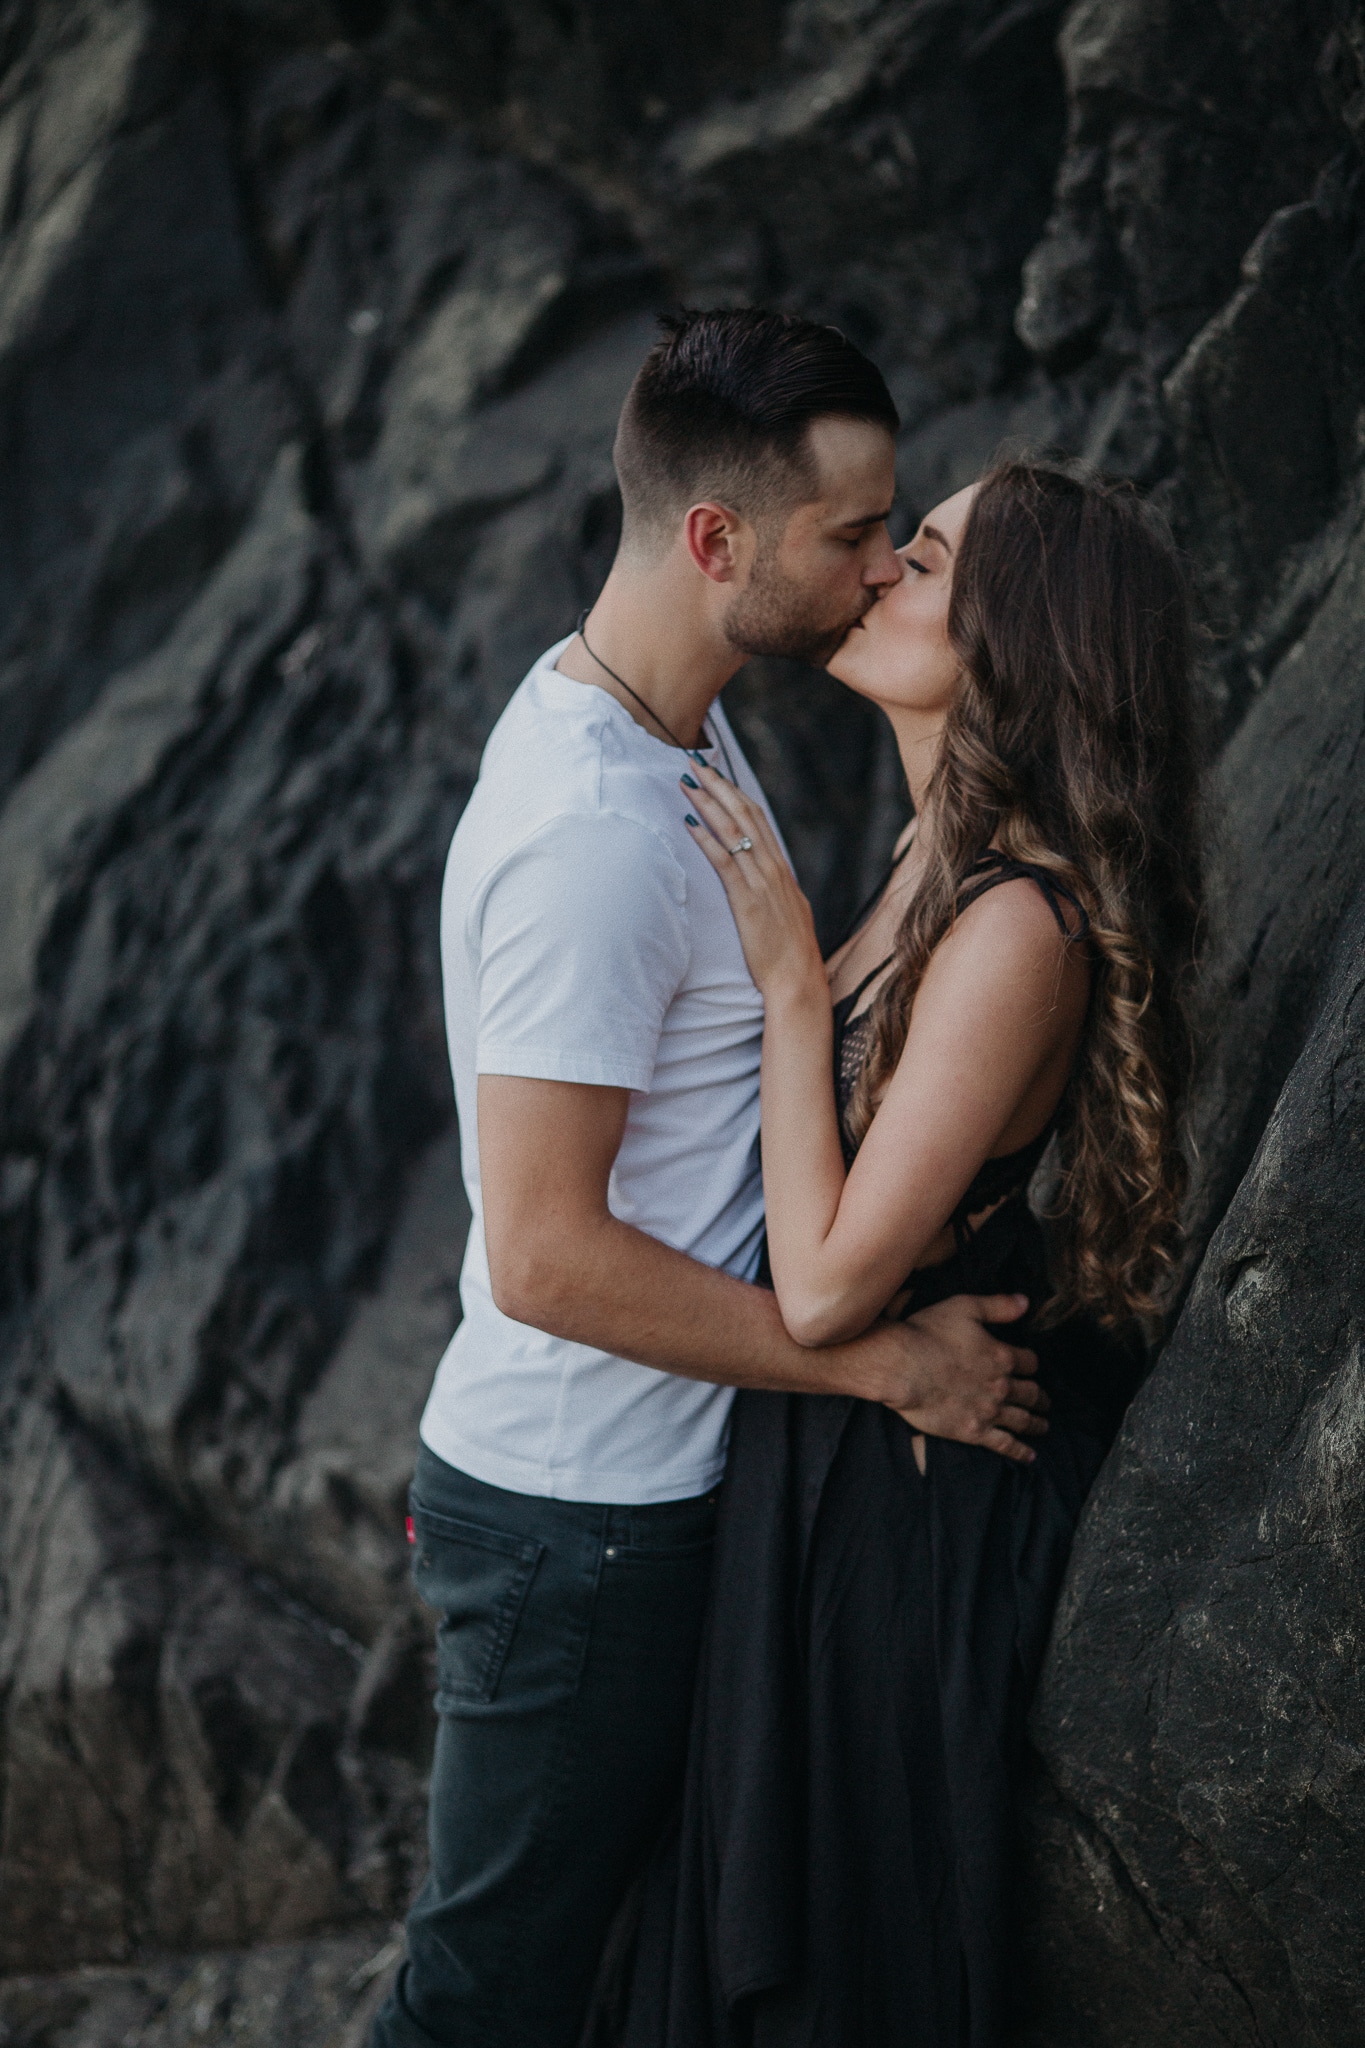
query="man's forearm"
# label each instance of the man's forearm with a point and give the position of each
(559, 1260)
(624, 1292)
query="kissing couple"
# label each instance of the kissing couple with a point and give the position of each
(743, 1519)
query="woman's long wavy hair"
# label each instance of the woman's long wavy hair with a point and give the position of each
(1071, 744)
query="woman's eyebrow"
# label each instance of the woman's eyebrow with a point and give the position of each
(932, 533)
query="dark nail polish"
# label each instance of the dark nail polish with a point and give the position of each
(691, 820)
(694, 755)
(688, 783)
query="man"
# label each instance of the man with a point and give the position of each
(604, 1037)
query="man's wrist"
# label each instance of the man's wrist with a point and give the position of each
(885, 1366)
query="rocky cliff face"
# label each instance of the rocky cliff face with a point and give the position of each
(314, 319)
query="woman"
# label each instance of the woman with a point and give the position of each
(881, 1603)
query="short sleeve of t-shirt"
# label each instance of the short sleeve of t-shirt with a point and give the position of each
(581, 942)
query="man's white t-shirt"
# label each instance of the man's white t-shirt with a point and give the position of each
(585, 937)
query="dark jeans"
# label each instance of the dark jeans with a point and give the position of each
(565, 1658)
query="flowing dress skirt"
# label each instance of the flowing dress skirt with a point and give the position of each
(842, 1872)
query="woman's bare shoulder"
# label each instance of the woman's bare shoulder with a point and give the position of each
(1011, 933)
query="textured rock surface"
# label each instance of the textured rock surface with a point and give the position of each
(318, 1994)
(1197, 1819)
(312, 338)
(1201, 1712)
(314, 320)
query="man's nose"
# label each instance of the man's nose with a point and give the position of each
(885, 567)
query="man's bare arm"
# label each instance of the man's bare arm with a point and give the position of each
(560, 1261)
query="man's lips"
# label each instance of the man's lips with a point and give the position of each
(859, 623)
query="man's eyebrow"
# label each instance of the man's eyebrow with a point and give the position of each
(868, 519)
(932, 533)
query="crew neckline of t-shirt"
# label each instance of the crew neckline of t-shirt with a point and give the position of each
(651, 739)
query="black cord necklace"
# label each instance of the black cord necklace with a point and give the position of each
(648, 709)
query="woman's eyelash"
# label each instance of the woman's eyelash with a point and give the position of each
(911, 563)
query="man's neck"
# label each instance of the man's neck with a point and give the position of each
(648, 627)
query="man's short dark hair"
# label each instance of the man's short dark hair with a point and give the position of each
(720, 409)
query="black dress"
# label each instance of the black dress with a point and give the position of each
(841, 1876)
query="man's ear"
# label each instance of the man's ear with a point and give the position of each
(717, 539)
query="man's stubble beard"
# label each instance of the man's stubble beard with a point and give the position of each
(775, 615)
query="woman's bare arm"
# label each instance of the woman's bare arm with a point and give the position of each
(991, 1036)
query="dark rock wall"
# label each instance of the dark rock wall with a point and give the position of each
(314, 320)
(1197, 1818)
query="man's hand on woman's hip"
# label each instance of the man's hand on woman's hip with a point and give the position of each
(949, 1376)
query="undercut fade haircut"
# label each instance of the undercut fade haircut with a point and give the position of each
(720, 409)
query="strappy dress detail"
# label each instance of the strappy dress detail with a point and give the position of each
(993, 867)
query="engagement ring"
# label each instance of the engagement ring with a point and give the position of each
(745, 845)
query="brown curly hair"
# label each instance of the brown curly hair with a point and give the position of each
(1071, 744)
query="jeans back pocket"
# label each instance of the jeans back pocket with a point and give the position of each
(477, 1579)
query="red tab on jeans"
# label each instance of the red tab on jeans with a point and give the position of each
(412, 1534)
